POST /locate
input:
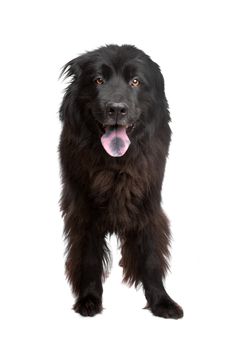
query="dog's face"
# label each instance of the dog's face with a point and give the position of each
(117, 90)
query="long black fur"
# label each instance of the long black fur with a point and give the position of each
(102, 194)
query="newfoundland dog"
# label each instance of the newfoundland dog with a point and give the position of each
(113, 150)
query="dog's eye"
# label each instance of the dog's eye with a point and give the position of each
(135, 82)
(99, 81)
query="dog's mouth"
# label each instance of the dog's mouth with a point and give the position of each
(115, 139)
(102, 127)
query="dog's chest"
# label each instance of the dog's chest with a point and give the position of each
(109, 185)
(118, 195)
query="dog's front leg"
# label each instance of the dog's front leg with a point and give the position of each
(144, 260)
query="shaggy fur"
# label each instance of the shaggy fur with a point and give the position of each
(122, 195)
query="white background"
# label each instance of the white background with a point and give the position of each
(192, 42)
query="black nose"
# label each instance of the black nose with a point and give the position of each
(115, 110)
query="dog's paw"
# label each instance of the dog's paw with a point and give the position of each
(167, 308)
(88, 306)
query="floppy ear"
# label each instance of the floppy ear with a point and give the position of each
(159, 83)
(69, 108)
(71, 68)
(161, 100)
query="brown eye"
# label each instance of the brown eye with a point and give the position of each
(135, 82)
(99, 81)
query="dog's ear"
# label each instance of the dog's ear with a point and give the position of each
(75, 67)
(162, 108)
(71, 69)
(69, 108)
(159, 83)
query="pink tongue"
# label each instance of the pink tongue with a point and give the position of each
(115, 140)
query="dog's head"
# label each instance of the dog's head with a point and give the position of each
(117, 92)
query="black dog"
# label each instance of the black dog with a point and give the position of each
(113, 150)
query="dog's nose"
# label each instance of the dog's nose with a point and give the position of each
(115, 110)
